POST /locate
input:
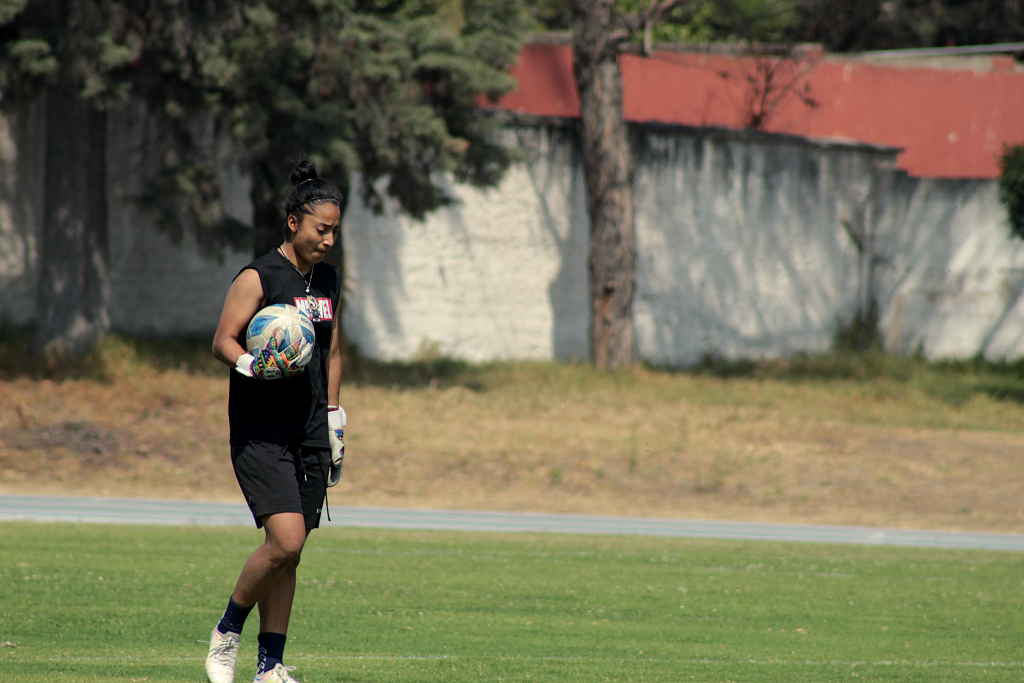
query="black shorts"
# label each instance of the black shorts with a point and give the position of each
(282, 478)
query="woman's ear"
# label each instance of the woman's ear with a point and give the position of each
(293, 226)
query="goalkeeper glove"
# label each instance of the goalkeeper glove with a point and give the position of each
(336, 421)
(244, 364)
(269, 364)
(263, 367)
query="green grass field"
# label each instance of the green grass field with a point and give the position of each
(129, 603)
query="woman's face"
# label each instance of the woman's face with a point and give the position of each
(313, 234)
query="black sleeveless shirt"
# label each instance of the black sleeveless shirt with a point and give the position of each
(291, 410)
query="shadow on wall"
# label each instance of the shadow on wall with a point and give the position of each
(374, 282)
(499, 274)
(741, 249)
(748, 247)
(22, 169)
(157, 287)
(487, 320)
(954, 288)
(562, 213)
(160, 286)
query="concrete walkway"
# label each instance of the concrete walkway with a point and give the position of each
(130, 511)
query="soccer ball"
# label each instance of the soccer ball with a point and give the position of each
(281, 338)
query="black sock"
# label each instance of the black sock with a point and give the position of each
(271, 651)
(234, 618)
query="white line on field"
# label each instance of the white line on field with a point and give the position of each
(723, 662)
(158, 660)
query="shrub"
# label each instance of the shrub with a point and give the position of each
(1011, 186)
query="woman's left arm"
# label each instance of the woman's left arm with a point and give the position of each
(334, 363)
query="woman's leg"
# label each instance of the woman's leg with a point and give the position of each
(276, 603)
(270, 564)
(285, 535)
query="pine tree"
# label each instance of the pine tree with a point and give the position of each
(390, 94)
(386, 89)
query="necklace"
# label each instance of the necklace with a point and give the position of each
(309, 297)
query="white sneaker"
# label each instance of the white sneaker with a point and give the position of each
(279, 674)
(220, 661)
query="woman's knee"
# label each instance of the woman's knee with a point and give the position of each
(286, 551)
(285, 538)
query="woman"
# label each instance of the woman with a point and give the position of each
(285, 434)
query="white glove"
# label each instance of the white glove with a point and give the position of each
(304, 355)
(336, 421)
(268, 365)
(244, 364)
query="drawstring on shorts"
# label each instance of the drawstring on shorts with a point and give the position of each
(327, 503)
(302, 465)
(305, 477)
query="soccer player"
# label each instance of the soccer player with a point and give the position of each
(286, 445)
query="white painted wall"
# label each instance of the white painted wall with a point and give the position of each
(954, 283)
(741, 252)
(741, 249)
(502, 274)
(158, 287)
(22, 151)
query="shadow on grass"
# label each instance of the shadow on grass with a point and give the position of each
(839, 365)
(1002, 393)
(952, 382)
(17, 361)
(188, 354)
(193, 354)
(441, 373)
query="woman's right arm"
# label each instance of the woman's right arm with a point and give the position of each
(244, 299)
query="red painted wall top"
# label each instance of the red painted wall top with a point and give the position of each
(951, 117)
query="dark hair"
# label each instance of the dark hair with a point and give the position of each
(309, 192)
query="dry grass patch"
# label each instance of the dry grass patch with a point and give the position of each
(857, 439)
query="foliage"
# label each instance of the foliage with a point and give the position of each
(388, 89)
(187, 198)
(840, 25)
(701, 21)
(764, 21)
(854, 25)
(775, 70)
(1011, 186)
(388, 95)
(688, 22)
(39, 39)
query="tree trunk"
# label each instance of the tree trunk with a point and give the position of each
(607, 168)
(266, 217)
(73, 306)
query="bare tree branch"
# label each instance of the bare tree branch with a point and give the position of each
(619, 36)
(659, 8)
(774, 78)
(633, 23)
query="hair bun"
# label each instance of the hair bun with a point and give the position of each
(303, 171)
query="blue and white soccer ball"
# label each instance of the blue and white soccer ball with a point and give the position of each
(281, 338)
